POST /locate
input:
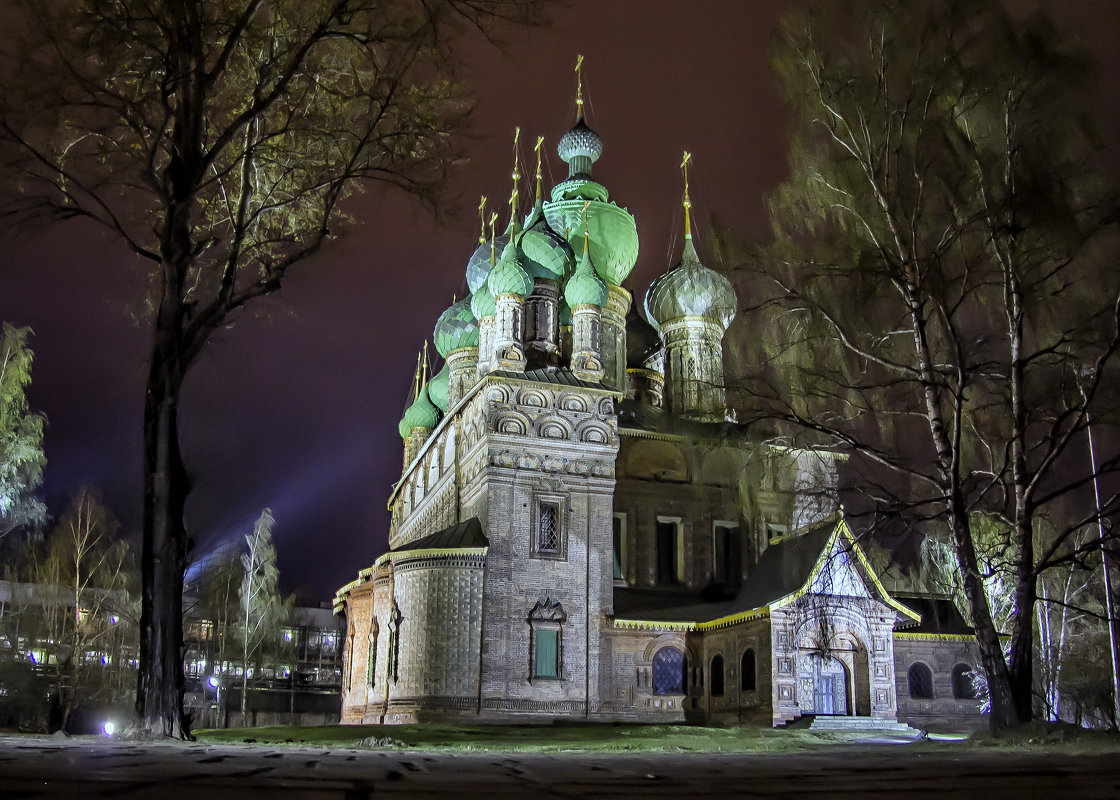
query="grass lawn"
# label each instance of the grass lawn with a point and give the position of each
(589, 738)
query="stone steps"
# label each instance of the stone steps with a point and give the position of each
(831, 723)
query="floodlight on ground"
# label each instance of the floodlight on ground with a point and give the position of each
(109, 728)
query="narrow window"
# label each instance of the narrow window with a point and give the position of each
(371, 668)
(668, 671)
(548, 538)
(670, 565)
(546, 662)
(618, 539)
(717, 676)
(920, 680)
(394, 643)
(747, 671)
(963, 686)
(726, 558)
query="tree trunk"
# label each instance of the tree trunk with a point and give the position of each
(1004, 712)
(159, 697)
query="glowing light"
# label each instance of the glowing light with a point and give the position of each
(109, 728)
(213, 681)
(114, 619)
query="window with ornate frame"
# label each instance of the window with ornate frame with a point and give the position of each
(549, 527)
(670, 671)
(546, 641)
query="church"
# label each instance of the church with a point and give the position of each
(581, 532)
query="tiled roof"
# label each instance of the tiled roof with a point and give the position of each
(465, 534)
(557, 377)
(939, 615)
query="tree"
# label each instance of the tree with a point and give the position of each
(21, 436)
(940, 298)
(82, 580)
(218, 140)
(263, 611)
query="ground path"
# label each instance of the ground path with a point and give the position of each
(92, 768)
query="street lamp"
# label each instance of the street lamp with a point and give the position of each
(216, 683)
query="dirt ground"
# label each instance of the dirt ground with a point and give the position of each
(92, 767)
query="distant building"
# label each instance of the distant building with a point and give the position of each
(580, 530)
(294, 681)
(55, 653)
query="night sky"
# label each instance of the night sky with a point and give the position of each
(296, 406)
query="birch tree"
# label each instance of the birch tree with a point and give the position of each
(217, 140)
(263, 611)
(82, 583)
(942, 297)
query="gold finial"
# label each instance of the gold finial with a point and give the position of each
(516, 175)
(416, 378)
(425, 378)
(482, 220)
(579, 87)
(537, 150)
(687, 202)
(493, 219)
(586, 205)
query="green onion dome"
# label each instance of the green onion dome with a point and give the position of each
(421, 414)
(478, 266)
(482, 303)
(612, 231)
(455, 328)
(508, 275)
(642, 340)
(437, 387)
(546, 254)
(691, 290)
(585, 288)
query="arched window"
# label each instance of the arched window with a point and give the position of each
(668, 671)
(717, 676)
(746, 672)
(963, 687)
(920, 680)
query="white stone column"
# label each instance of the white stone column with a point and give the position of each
(462, 366)
(587, 361)
(509, 352)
